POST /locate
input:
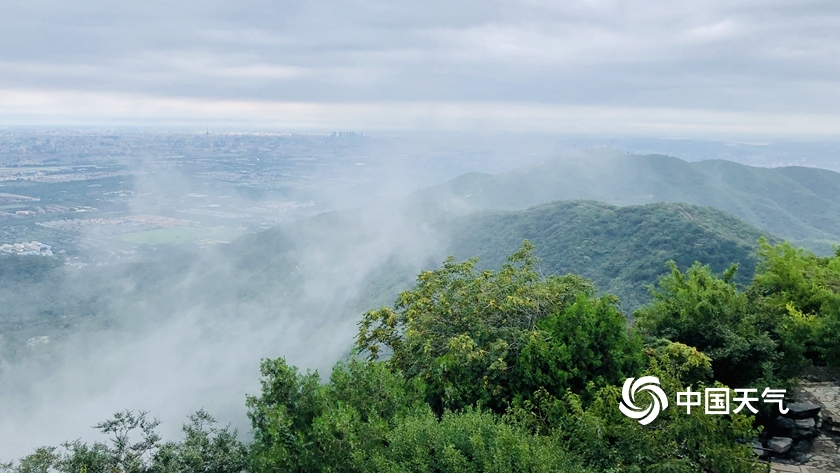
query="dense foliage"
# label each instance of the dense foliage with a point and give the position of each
(787, 319)
(491, 371)
(490, 337)
(498, 371)
(135, 447)
(621, 249)
(801, 293)
(708, 312)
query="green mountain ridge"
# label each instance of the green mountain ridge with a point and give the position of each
(298, 290)
(796, 203)
(622, 249)
(329, 269)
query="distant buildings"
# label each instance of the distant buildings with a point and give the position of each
(35, 341)
(25, 249)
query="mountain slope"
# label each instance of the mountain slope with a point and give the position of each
(798, 204)
(333, 267)
(622, 249)
(186, 324)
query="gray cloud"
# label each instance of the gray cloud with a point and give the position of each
(727, 56)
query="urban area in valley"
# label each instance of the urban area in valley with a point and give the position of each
(96, 197)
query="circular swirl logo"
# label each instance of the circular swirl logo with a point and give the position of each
(628, 399)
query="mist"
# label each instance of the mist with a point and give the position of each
(184, 326)
(318, 230)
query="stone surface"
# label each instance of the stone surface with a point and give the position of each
(758, 449)
(783, 468)
(799, 457)
(805, 424)
(780, 445)
(802, 410)
(783, 423)
(802, 446)
(823, 446)
(824, 456)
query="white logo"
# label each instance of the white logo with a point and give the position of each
(628, 399)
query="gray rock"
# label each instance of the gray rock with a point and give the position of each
(783, 423)
(802, 410)
(780, 445)
(803, 433)
(802, 446)
(828, 417)
(799, 457)
(758, 449)
(805, 424)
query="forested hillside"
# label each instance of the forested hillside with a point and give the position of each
(509, 370)
(798, 204)
(286, 269)
(296, 290)
(621, 249)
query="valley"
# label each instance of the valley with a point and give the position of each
(196, 273)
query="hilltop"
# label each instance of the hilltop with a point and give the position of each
(796, 203)
(621, 249)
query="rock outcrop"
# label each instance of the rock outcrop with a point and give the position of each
(808, 434)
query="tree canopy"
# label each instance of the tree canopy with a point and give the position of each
(510, 370)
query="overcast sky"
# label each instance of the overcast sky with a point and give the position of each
(739, 66)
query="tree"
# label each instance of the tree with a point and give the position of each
(461, 331)
(121, 456)
(702, 310)
(281, 416)
(604, 439)
(205, 448)
(583, 348)
(301, 425)
(800, 293)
